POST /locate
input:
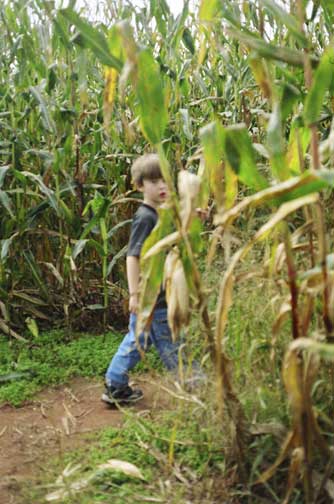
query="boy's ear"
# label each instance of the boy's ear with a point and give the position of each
(139, 187)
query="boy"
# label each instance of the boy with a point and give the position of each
(147, 177)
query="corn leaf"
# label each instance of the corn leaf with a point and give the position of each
(151, 107)
(288, 190)
(275, 144)
(6, 202)
(282, 16)
(3, 172)
(240, 155)
(322, 81)
(46, 118)
(270, 51)
(92, 38)
(208, 10)
(152, 269)
(212, 141)
(298, 143)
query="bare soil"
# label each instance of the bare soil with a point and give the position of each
(57, 420)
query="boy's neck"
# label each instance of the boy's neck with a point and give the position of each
(150, 203)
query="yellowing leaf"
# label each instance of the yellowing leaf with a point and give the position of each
(111, 75)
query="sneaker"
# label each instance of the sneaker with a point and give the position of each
(124, 395)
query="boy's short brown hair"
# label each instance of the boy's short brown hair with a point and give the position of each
(146, 167)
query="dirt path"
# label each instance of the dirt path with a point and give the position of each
(55, 421)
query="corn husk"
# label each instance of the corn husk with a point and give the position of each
(177, 293)
(189, 188)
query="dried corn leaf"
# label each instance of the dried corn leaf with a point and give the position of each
(284, 311)
(121, 466)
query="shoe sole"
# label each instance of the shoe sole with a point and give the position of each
(105, 398)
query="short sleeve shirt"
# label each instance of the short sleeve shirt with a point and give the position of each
(143, 222)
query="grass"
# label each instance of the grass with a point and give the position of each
(185, 436)
(169, 450)
(51, 359)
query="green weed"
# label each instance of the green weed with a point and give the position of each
(53, 360)
(145, 442)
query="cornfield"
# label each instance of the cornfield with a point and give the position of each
(237, 99)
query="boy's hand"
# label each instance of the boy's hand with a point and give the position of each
(133, 302)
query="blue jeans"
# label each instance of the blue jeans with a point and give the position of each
(128, 355)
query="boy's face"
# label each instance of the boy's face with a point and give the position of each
(155, 191)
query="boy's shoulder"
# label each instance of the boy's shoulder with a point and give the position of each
(143, 222)
(145, 213)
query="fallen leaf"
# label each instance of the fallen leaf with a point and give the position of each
(122, 466)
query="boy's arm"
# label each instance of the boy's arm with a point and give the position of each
(132, 270)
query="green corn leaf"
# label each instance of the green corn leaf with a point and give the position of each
(62, 30)
(160, 11)
(3, 172)
(46, 118)
(78, 248)
(187, 129)
(44, 189)
(323, 80)
(290, 95)
(283, 17)
(115, 42)
(36, 272)
(270, 51)
(99, 204)
(212, 137)
(32, 326)
(6, 202)
(275, 144)
(195, 231)
(118, 226)
(97, 246)
(152, 269)
(299, 140)
(55, 272)
(103, 229)
(328, 8)
(188, 40)
(240, 155)
(92, 38)
(209, 10)
(69, 216)
(94, 222)
(151, 107)
(5, 246)
(178, 27)
(116, 258)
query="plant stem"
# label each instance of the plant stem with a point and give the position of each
(292, 275)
